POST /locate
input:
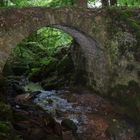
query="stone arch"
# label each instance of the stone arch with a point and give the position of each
(25, 21)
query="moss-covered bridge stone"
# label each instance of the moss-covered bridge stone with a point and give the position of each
(96, 31)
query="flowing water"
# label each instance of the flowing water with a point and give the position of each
(56, 104)
(92, 114)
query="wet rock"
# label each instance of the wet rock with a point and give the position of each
(35, 134)
(23, 98)
(69, 125)
(68, 136)
(36, 93)
(58, 129)
(34, 123)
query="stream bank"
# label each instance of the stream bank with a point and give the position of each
(74, 113)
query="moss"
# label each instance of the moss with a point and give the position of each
(5, 127)
(133, 86)
(133, 24)
(138, 73)
(117, 128)
(7, 131)
(5, 112)
(119, 15)
(129, 98)
(130, 67)
(38, 74)
(53, 82)
(126, 91)
(123, 31)
(124, 16)
(124, 51)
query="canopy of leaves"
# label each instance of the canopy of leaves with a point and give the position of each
(59, 3)
(41, 45)
(26, 3)
(129, 3)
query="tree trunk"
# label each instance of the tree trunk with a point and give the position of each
(81, 3)
(113, 2)
(3, 3)
(105, 3)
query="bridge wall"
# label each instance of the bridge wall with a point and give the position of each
(90, 28)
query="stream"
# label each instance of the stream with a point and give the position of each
(57, 104)
(76, 114)
(94, 117)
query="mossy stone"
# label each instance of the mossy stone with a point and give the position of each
(69, 125)
(7, 131)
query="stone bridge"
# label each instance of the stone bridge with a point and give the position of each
(90, 29)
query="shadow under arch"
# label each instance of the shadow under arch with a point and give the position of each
(96, 65)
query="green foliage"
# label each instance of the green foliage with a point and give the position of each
(53, 38)
(4, 3)
(60, 3)
(37, 50)
(26, 3)
(6, 131)
(129, 3)
(44, 43)
(4, 127)
(21, 3)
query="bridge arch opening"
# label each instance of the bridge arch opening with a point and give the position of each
(47, 48)
(87, 55)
